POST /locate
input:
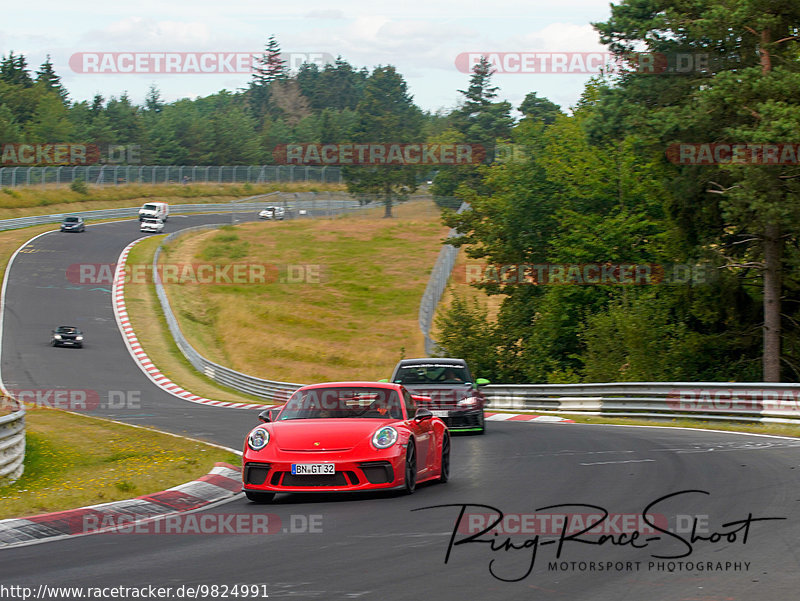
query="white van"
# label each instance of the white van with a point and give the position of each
(156, 210)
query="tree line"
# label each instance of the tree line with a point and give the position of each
(561, 196)
(636, 175)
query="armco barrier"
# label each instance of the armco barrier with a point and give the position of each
(311, 202)
(12, 446)
(740, 401)
(437, 282)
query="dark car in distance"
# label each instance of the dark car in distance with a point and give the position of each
(73, 224)
(454, 394)
(66, 336)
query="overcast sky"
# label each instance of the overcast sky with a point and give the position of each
(423, 39)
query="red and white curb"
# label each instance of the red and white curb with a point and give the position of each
(524, 417)
(138, 354)
(222, 482)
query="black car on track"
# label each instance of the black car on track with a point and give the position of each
(455, 396)
(73, 224)
(66, 336)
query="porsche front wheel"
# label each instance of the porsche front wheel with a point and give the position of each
(444, 474)
(411, 469)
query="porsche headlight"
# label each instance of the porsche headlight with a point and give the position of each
(258, 439)
(384, 437)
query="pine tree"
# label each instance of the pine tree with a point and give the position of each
(270, 66)
(539, 109)
(746, 94)
(387, 114)
(14, 70)
(152, 101)
(46, 75)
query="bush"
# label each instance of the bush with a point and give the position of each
(79, 186)
(465, 332)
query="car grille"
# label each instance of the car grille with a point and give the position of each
(337, 479)
(256, 473)
(377, 472)
(464, 420)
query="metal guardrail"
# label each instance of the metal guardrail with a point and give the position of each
(310, 201)
(733, 401)
(437, 283)
(12, 445)
(116, 175)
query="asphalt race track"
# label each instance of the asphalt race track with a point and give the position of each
(377, 546)
(40, 297)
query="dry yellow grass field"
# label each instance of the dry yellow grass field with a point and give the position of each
(355, 323)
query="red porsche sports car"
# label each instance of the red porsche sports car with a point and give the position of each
(345, 436)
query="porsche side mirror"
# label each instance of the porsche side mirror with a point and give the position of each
(269, 415)
(422, 415)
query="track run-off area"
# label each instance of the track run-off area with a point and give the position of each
(588, 511)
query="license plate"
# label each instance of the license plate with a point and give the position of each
(440, 413)
(313, 469)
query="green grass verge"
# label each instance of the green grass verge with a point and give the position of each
(74, 461)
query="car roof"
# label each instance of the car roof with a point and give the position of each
(426, 360)
(358, 384)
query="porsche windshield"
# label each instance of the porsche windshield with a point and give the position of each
(431, 373)
(341, 402)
